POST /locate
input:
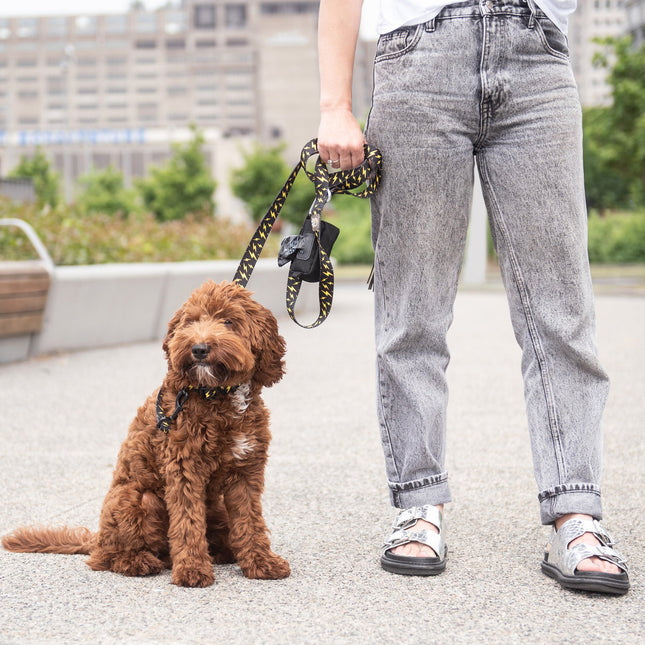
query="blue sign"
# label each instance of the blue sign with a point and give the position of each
(67, 137)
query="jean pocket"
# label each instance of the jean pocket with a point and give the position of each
(398, 42)
(553, 40)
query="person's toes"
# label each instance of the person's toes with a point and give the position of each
(597, 564)
(416, 549)
(593, 564)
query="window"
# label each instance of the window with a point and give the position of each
(117, 44)
(175, 22)
(205, 16)
(291, 7)
(5, 31)
(27, 27)
(175, 44)
(203, 44)
(235, 16)
(117, 24)
(145, 22)
(56, 26)
(145, 44)
(86, 25)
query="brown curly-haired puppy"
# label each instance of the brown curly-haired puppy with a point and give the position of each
(190, 497)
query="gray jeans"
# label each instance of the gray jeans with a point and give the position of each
(489, 79)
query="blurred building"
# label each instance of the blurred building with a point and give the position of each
(635, 10)
(117, 89)
(593, 19)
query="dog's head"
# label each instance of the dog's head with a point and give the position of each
(221, 336)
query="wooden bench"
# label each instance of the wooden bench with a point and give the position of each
(23, 296)
(24, 287)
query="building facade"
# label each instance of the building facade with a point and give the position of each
(118, 89)
(635, 10)
(593, 19)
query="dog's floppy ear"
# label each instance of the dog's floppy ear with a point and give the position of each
(268, 346)
(172, 326)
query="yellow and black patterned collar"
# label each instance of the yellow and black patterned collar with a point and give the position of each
(164, 422)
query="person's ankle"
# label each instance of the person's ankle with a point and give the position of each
(570, 516)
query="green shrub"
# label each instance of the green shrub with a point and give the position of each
(182, 185)
(103, 191)
(39, 170)
(352, 216)
(260, 179)
(75, 238)
(617, 238)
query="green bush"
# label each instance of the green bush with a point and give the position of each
(39, 170)
(182, 185)
(103, 191)
(261, 178)
(617, 238)
(72, 237)
(352, 216)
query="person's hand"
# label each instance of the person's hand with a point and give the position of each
(340, 139)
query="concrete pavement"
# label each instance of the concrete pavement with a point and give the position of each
(62, 419)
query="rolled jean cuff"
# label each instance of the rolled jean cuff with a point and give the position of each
(570, 498)
(429, 490)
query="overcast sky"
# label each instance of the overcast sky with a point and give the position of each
(49, 8)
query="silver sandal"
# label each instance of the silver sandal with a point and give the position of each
(560, 561)
(409, 565)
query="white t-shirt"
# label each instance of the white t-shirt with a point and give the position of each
(397, 13)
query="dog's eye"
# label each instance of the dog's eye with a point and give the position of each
(228, 323)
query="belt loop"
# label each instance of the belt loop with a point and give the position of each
(431, 25)
(533, 10)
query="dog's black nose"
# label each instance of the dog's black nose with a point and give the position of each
(200, 351)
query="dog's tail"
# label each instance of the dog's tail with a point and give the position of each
(49, 540)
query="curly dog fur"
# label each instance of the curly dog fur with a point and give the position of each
(192, 497)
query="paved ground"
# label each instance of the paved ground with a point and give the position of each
(62, 420)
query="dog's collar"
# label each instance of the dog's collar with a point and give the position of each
(164, 423)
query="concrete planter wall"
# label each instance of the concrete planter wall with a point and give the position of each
(101, 305)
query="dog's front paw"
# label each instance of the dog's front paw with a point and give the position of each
(271, 567)
(192, 575)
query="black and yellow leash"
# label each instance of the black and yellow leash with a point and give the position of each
(343, 182)
(165, 422)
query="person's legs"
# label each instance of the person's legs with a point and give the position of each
(497, 81)
(424, 110)
(530, 162)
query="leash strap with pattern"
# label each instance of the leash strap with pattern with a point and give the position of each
(164, 422)
(343, 182)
